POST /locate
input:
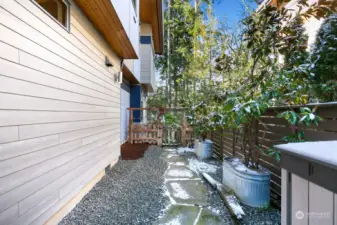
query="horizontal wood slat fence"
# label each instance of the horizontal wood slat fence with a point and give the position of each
(270, 131)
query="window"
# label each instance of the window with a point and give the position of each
(57, 9)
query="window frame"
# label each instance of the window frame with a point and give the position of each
(68, 5)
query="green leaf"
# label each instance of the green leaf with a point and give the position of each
(278, 157)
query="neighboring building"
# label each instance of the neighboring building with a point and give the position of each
(311, 25)
(62, 106)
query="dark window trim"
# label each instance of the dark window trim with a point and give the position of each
(68, 4)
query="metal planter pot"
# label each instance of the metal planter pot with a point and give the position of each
(252, 189)
(204, 149)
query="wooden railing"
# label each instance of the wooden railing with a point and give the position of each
(157, 133)
(149, 133)
(270, 131)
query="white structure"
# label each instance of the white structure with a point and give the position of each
(309, 187)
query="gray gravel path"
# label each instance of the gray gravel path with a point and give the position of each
(130, 193)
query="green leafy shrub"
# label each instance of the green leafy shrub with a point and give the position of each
(324, 60)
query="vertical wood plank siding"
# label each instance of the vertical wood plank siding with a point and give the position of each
(299, 200)
(59, 110)
(270, 131)
(321, 200)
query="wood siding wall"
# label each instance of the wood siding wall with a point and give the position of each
(59, 110)
(270, 132)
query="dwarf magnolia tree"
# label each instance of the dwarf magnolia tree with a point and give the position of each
(324, 60)
(238, 76)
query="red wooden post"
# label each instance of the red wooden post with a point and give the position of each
(130, 126)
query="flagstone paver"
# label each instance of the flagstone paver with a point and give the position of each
(191, 192)
(176, 172)
(187, 193)
(175, 159)
(180, 214)
(207, 217)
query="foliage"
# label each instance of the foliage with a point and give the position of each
(228, 78)
(324, 60)
(170, 121)
(157, 99)
(306, 116)
(197, 117)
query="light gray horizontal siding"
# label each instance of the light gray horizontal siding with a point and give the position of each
(47, 213)
(23, 102)
(9, 134)
(39, 130)
(59, 110)
(47, 174)
(34, 83)
(45, 39)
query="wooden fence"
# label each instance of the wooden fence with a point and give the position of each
(270, 131)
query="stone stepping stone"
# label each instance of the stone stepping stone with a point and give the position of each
(175, 159)
(172, 150)
(180, 172)
(179, 214)
(167, 155)
(191, 192)
(207, 217)
(179, 164)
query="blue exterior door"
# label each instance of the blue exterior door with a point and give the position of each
(135, 102)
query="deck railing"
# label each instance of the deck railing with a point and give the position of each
(157, 133)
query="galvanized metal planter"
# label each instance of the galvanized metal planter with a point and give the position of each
(204, 149)
(252, 189)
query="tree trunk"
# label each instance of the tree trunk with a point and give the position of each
(169, 55)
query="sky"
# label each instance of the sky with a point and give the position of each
(231, 10)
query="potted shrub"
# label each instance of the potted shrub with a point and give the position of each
(247, 178)
(171, 124)
(199, 121)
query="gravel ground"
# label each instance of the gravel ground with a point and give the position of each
(130, 193)
(216, 203)
(270, 216)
